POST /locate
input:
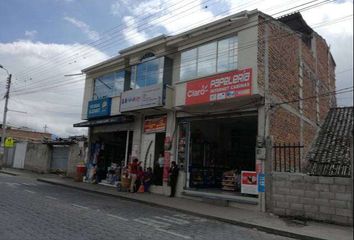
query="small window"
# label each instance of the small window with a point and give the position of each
(109, 85)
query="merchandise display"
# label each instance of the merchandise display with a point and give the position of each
(231, 181)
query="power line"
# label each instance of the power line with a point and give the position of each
(317, 4)
(326, 94)
(250, 45)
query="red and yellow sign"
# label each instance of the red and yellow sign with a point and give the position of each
(220, 87)
(155, 124)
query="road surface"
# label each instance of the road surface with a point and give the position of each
(31, 210)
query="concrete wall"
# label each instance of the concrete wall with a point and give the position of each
(38, 157)
(327, 199)
(76, 155)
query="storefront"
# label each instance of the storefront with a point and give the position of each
(215, 150)
(110, 147)
(154, 133)
(109, 151)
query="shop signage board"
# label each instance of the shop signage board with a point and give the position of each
(155, 124)
(261, 182)
(99, 108)
(249, 182)
(141, 98)
(219, 87)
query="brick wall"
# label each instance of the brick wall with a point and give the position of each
(283, 64)
(327, 199)
(284, 126)
(261, 54)
(287, 54)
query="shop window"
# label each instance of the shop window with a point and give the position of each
(147, 73)
(109, 85)
(214, 57)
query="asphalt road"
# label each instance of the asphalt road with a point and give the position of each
(31, 210)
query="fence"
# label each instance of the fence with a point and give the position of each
(287, 157)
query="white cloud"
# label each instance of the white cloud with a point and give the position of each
(119, 7)
(30, 34)
(131, 33)
(93, 35)
(57, 107)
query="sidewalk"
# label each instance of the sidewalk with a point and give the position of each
(261, 221)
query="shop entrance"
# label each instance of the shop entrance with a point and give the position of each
(216, 150)
(109, 151)
(153, 152)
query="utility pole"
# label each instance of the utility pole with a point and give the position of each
(7, 95)
(45, 128)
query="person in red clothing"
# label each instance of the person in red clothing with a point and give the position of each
(140, 178)
(134, 173)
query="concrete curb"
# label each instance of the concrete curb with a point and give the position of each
(234, 222)
(8, 173)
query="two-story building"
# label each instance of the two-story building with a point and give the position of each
(208, 98)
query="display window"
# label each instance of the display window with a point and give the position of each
(216, 150)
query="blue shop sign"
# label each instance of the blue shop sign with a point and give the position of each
(99, 108)
(261, 182)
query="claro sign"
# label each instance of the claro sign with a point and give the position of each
(219, 87)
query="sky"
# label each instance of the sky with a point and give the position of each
(43, 40)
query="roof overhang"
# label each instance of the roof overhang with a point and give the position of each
(104, 121)
(144, 45)
(238, 18)
(117, 60)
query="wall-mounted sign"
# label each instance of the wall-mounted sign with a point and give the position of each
(99, 108)
(261, 182)
(219, 87)
(141, 98)
(249, 182)
(155, 124)
(9, 142)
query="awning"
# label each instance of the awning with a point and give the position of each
(104, 121)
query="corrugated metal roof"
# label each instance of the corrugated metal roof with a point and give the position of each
(330, 154)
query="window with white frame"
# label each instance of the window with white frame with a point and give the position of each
(207, 59)
(147, 73)
(109, 85)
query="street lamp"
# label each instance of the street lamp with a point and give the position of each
(3, 136)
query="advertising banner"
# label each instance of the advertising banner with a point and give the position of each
(249, 182)
(99, 108)
(155, 124)
(141, 98)
(219, 87)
